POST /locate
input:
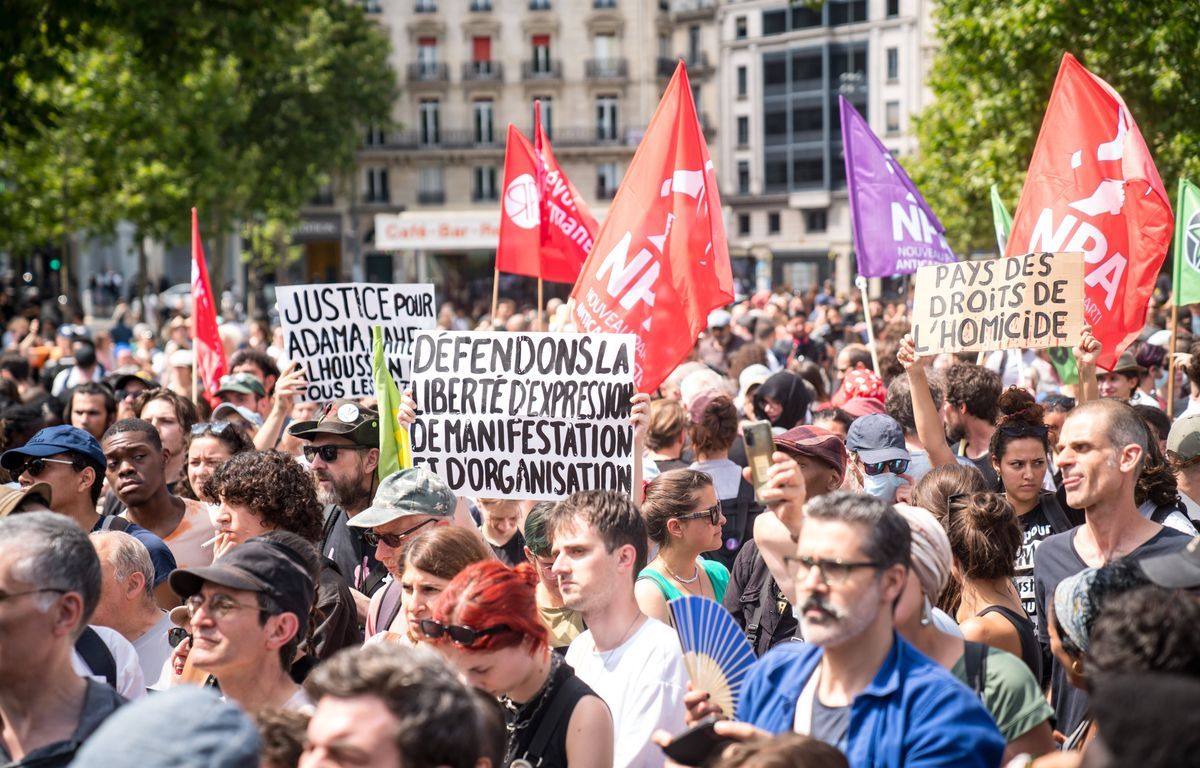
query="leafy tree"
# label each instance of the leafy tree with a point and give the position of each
(992, 77)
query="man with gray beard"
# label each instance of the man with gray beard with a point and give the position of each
(342, 450)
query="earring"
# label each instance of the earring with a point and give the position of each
(1077, 667)
(926, 613)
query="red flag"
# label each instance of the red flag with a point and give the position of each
(661, 262)
(542, 213)
(210, 352)
(1092, 187)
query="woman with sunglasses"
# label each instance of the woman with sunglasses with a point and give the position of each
(683, 518)
(486, 625)
(211, 444)
(434, 556)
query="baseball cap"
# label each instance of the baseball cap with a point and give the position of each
(718, 318)
(225, 409)
(180, 358)
(413, 491)
(344, 418)
(1183, 442)
(876, 437)
(1178, 570)
(242, 382)
(51, 441)
(119, 380)
(11, 498)
(255, 565)
(815, 442)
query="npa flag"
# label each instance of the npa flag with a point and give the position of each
(546, 230)
(661, 262)
(894, 230)
(1000, 219)
(1092, 187)
(395, 450)
(1186, 286)
(210, 352)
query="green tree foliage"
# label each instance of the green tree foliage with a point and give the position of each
(991, 81)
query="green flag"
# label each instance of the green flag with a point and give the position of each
(1186, 283)
(1001, 219)
(395, 451)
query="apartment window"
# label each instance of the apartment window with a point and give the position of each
(430, 121)
(743, 131)
(892, 115)
(481, 48)
(547, 114)
(773, 223)
(696, 95)
(893, 8)
(481, 5)
(541, 53)
(377, 185)
(893, 64)
(604, 51)
(742, 82)
(743, 167)
(482, 112)
(739, 27)
(694, 42)
(846, 11)
(430, 187)
(607, 180)
(743, 224)
(774, 22)
(375, 137)
(484, 187)
(664, 47)
(539, 5)
(426, 6)
(606, 118)
(816, 220)
(427, 55)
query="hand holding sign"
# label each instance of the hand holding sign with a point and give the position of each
(639, 416)
(407, 412)
(907, 354)
(1087, 351)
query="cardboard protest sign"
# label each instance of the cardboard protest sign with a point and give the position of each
(524, 415)
(327, 329)
(1024, 302)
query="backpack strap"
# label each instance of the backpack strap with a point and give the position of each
(113, 523)
(389, 606)
(975, 661)
(1059, 521)
(754, 626)
(331, 516)
(97, 656)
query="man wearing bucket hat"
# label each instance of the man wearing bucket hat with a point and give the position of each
(408, 502)
(342, 450)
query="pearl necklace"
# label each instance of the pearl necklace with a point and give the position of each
(695, 576)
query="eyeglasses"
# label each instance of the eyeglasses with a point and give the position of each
(13, 595)
(464, 636)
(211, 428)
(1024, 430)
(895, 466)
(35, 467)
(713, 514)
(329, 453)
(219, 605)
(833, 572)
(393, 540)
(176, 635)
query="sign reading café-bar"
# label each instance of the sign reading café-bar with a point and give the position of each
(418, 232)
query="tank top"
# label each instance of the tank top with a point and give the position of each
(717, 574)
(538, 728)
(1031, 652)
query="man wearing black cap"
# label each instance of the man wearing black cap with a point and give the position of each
(249, 611)
(342, 448)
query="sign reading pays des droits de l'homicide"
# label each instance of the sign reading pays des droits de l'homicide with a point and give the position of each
(1020, 302)
(524, 415)
(327, 329)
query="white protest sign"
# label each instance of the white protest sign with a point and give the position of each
(327, 329)
(524, 415)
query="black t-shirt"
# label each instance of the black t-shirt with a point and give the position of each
(1056, 559)
(984, 465)
(1037, 525)
(512, 552)
(345, 546)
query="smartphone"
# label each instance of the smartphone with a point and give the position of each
(697, 745)
(760, 444)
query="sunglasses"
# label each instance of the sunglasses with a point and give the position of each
(895, 466)
(393, 540)
(35, 467)
(329, 453)
(464, 636)
(176, 635)
(211, 428)
(713, 514)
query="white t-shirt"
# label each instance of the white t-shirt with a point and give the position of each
(643, 681)
(154, 652)
(130, 682)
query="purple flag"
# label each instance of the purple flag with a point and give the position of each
(894, 230)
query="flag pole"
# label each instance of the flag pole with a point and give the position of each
(541, 306)
(539, 164)
(495, 294)
(861, 283)
(1171, 358)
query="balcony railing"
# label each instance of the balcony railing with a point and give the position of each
(480, 5)
(604, 3)
(607, 69)
(570, 136)
(605, 192)
(537, 70)
(421, 72)
(539, 5)
(425, 6)
(684, 10)
(697, 61)
(486, 70)
(434, 197)
(666, 66)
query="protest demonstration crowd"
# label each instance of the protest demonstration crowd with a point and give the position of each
(814, 533)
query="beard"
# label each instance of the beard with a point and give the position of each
(347, 493)
(837, 625)
(955, 433)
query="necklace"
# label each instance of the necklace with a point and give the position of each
(695, 576)
(605, 655)
(521, 716)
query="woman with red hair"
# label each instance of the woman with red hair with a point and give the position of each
(486, 624)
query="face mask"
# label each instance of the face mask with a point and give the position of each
(883, 486)
(85, 357)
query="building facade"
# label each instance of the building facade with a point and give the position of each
(781, 69)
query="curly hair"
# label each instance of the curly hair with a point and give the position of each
(985, 536)
(274, 487)
(899, 402)
(1021, 418)
(717, 427)
(669, 495)
(1148, 629)
(975, 387)
(1157, 482)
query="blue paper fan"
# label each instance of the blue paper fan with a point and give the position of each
(715, 650)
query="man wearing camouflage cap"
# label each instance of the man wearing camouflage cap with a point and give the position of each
(1183, 447)
(342, 448)
(408, 502)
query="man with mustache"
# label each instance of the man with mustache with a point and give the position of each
(1102, 447)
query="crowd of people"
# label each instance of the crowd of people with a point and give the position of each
(951, 561)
